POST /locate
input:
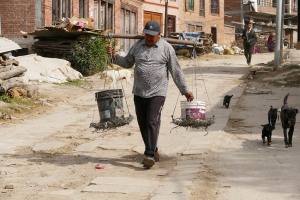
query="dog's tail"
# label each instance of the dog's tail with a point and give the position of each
(285, 98)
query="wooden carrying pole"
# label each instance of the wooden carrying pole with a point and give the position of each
(170, 40)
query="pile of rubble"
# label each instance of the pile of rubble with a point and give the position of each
(186, 50)
(12, 79)
(57, 40)
(25, 72)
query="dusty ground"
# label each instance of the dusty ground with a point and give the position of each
(233, 167)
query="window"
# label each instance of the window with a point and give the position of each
(202, 8)
(274, 3)
(194, 28)
(295, 5)
(128, 26)
(189, 5)
(171, 24)
(262, 2)
(60, 9)
(103, 15)
(214, 6)
(83, 8)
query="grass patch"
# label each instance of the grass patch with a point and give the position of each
(76, 83)
(18, 105)
(5, 98)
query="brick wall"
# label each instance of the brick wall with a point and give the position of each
(209, 21)
(134, 5)
(17, 15)
(75, 6)
(117, 16)
(229, 35)
(48, 12)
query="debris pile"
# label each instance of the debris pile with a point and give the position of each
(186, 50)
(57, 40)
(17, 73)
(11, 75)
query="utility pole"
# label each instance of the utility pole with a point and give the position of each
(282, 30)
(298, 14)
(278, 35)
(166, 19)
(242, 14)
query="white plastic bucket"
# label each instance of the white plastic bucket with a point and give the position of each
(193, 110)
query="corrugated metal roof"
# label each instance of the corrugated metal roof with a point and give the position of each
(7, 45)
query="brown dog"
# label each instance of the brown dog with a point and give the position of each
(288, 120)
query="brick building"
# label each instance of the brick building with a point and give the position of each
(121, 16)
(263, 14)
(201, 15)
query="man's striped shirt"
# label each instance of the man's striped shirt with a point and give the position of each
(152, 65)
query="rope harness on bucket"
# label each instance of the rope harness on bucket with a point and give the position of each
(194, 122)
(116, 121)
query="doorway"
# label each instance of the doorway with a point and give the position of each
(214, 34)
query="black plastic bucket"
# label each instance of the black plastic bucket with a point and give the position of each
(110, 104)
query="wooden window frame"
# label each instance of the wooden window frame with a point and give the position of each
(215, 9)
(262, 2)
(202, 8)
(60, 9)
(189, 5)
(105, 15)
(83, 8)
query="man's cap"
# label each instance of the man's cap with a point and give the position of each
(152, 28)
(248, 22)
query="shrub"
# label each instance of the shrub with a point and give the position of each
(88, 55)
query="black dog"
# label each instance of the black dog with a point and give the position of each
(288, 120)
(267, 133)
(226, 100)
(272, 116)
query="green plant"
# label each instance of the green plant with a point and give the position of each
(89, 55)
(5, 98)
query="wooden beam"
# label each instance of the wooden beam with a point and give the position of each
(170, 40)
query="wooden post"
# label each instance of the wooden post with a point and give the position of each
(166, 19)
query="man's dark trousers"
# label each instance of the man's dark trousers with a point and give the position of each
(148, 112)
(248, 51)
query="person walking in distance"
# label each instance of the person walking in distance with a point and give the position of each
(154, 60)
(271, 42)
(249, 41)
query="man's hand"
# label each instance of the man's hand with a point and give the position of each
(189, 96)
(111, 52)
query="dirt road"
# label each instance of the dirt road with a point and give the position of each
(52, 152)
